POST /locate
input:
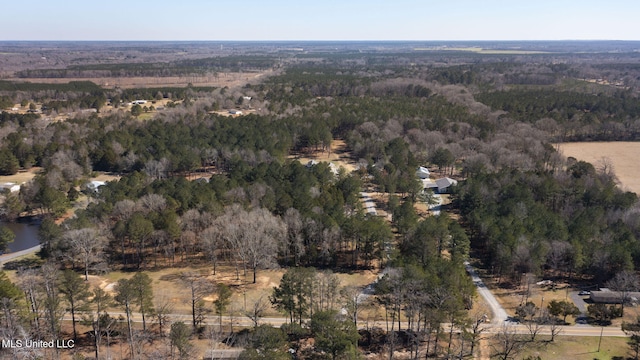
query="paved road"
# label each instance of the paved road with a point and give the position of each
(499, 314)
(491, 328)
(10, 256)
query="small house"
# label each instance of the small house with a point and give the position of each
(95, 184)
(606, 296)
(422, 173)
(429, 184)
(444, 184)
(440, 186)
(332, 167)
(9, 186)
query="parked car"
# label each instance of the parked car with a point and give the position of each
(584, 292)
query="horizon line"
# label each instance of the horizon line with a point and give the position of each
(320, 40)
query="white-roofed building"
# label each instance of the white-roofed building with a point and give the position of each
(423, 173)
(11, 187)
(95, 184)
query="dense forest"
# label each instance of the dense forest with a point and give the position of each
(487, 121)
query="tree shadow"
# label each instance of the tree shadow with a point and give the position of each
(28, 263)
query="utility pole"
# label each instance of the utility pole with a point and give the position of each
(600, 341)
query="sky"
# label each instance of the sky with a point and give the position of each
(320, 20)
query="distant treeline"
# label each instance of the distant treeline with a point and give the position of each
(162, 92)
(177, 68)
(86, 94)
(578, 115)
(77, 86)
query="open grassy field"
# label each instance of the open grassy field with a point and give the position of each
(579, 348)
(21, 177)
(338, 155)
(168, 285)
(623, 155)
(537, 294)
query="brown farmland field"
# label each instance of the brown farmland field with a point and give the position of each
(229, 79)
(623, 155)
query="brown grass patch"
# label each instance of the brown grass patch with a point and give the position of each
(338, 155)
(101, 176)
(579, 348)
(22, 176)
(167, 284)
(622, 154)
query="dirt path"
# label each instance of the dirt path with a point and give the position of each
(8, 257)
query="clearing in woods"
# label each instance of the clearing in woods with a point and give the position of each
(623, 155)
(339, 155)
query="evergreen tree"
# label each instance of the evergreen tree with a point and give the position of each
(6, 237)
(76, 293)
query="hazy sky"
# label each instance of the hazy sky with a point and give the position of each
(320, 20)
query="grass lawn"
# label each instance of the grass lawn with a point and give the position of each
(580, 348)
(168, 286)
(21, 177)
(540, 295)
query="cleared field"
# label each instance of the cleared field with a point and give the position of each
(623, 155)
(168, 285)
(338, 155)
(580, 348)
(480, 50)
(230, 79)
(21, 177)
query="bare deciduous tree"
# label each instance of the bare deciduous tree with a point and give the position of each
(559, 254)
(163, 308)
(64, 161)
(507, 343)
(257, 310)
(157, 169)
(263, 232)
(30, 282)
(87, 246)
(552, 324)
(123, 209)
(605, 167)
(624, 283)
(352, 300)
(252, 236)
(212, 244)
(152, 203)
(293, 243)
(199, 287)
